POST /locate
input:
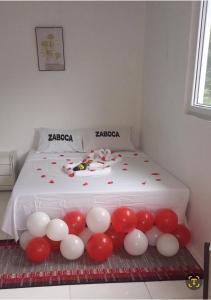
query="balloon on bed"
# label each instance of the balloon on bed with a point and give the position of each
(99, 233)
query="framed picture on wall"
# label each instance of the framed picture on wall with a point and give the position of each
(50, 48)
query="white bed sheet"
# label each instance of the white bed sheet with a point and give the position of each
(136, 182)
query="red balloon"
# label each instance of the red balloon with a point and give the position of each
(99, 247)
(116, 237)
(166, 220)
(123, 219)
(183, 235)
(75, 221)
(38, 249)
(55, 245)
(145, 220)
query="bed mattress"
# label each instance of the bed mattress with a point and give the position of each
(136, 182)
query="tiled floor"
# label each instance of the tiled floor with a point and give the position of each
(152, 290)
(140, 290)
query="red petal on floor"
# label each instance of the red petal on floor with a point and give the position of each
(144, 182)
(155, 173)
(61, 155)
(85, 183)
(135, 154)
(158, 179)
(125, 164)
(124, 169)
(51, 181)
(43, 176)
(146, 161)
(53, 162)
(39, 169)
(120, 155)
(110, 182)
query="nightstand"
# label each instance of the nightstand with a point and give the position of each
(7, 170)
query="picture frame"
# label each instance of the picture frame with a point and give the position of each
(50, 48)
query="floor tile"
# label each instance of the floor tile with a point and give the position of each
(54, 292)
(133, 290)
(172, 290)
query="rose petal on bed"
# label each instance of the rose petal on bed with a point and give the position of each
(53, 162)
(155, 174)
(124, 169)
(125, 164)
(43, 176)
(146, 161)
(120, 155)
(144, 182)
(51, 181)
(61, 155)
(158, 179)
(110, 182)
(39, 169)
(85, 183)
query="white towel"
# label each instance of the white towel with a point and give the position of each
(99, 163)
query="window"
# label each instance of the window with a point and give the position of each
(200, 46)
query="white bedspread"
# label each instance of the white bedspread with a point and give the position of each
(136, 182)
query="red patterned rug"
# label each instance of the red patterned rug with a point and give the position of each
(17, 272)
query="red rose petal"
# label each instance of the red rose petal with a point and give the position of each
(53, 162)
(110, 182)
(125, 164)
(155, 173)
(120, 155)
(135, 154)
(158, 179)
(51, 181)
(85, 183)
(124, 169)
(39, 169)
(61, 155)
(144, 182)
(71, 175)
(43, 176)
(146, 161)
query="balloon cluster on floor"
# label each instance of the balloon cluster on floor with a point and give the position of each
(100, 233)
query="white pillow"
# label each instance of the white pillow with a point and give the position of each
(115, 139)
(59, 140)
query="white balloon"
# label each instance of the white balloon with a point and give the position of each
(167, 244)
(98, 219)
(152, 235)
(57, 230)
(72, 247)
(135, 242)
(25, 238)
(37, 223)
(85, 235)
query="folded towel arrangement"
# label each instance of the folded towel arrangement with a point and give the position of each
(98, 162)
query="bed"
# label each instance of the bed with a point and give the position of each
(136, 182)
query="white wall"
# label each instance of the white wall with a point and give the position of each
(179, 142)
(101, 85)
